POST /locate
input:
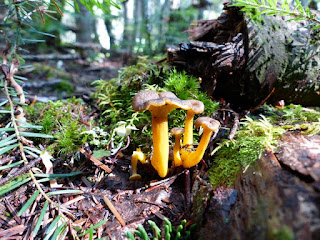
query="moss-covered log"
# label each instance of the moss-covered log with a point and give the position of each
(276, 198)
(245, 64)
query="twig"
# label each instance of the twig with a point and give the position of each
(19, 172)
(114, 210)
(95, 161)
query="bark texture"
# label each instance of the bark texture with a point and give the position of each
(246, 64)
(278, 197)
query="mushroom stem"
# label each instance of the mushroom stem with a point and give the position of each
(136, 155)
(195, 157)
(160, 138)
(188, 134)
(176, 151)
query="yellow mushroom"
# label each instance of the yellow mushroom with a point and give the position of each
(209, 126)
(160, 105)
(196, 107)
(136, 155)
(177, 131)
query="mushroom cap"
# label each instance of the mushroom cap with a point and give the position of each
(196, 106)
(147, 100)
(177, 131)
(208, 123)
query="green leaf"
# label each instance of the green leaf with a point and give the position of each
(3, 103)
(5, 111)
(37, 226)
(100, 224)
(33, 149)
(58, 231)
(6, 129)
(28, 125)
(15, 185)
(101, 153)
(31, 153)
(28, 203)
(69, 191)
(10, 165)
(130, 235)
(20, 78)
(8, 142)
(52, 227)
(39, 135)
(57, 175)
(6, 149)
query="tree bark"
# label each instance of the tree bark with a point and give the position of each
(278, 197)
(245, 64)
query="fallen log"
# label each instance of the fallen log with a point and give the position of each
(278, 197)
(246, 64)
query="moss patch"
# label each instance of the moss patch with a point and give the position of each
(256, 135)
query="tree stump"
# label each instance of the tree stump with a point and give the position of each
(246, 64)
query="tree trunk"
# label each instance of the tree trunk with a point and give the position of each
(278, 197)
(245, 64)
(86, 25)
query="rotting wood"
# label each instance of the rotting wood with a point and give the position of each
(269, 199)
(242, 63)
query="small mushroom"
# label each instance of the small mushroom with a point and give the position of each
(209, 126)
(177, 131)
(160, 105)
(136, 155)
(196, 107)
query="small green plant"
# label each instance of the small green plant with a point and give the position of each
(62, 120)
(115, 97)
(232, 156)
(256, 8)
(168, 231)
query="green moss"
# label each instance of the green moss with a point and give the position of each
(61, 119)
(284, 233)
(238, 154)
(115, 97)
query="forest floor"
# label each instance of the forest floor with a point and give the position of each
(151, 198)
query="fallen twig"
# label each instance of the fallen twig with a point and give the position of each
(114, 210)
(95, 161)
(20, 171)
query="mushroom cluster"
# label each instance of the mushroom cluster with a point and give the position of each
(160, 105)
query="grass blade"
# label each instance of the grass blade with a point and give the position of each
(6, 149)
(10, 165)
(6, 129)
(39, 135)
(5, 111)
(7, 139)
(3, 103)
(13, 186)
(28, 125)
(43, 212)
(59, 230)
(31, 153)
(33, 149)
(69, 191)
(52, 227)
(57, 175)
(28, 203)
(8, 142)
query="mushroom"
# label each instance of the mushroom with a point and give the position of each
(136, 155)
(177, 131)
(209, 125)
(196, 107)
(160, 105)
